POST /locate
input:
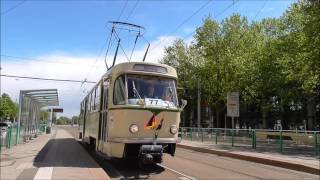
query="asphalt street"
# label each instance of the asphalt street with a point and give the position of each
(189, 164)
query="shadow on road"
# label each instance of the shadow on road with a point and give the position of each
(130, 170)
(115, 168)
(65, 152)
(124, 169)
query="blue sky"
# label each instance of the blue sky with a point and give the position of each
(74, 32)
(79, 27)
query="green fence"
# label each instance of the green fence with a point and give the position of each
(285, 141)
(12, 136)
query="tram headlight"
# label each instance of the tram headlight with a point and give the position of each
(133, 128)
(173, 129)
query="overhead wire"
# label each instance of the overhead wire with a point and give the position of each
(256, 15)
(45, 79)
(184, 22)
(13, 7)
(215, 16)
(122, 10)
(135, 43)
(104, 44)
(132, 10)
(39, 60)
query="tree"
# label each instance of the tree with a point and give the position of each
(274, 63)
(44, 115)
(63, 120)
(75, 119)
(8, 107)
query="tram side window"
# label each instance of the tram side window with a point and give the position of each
(86, 104)
(97, 98)
(93, 96)
(90, 102)
(81, 108)
(119, 91)
(105, 105)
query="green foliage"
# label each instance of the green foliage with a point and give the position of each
(44, 115)
(75, 119)
(7, 107)
(63, 120)
(274, 61)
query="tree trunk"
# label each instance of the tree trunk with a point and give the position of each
(264, 114)
(218, 119)
(310, 113)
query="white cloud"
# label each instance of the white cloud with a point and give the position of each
(64, 66)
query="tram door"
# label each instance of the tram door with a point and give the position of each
(103, 114)
(85, 108)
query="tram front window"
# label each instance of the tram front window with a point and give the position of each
(156, 91)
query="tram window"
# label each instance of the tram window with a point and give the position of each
(91, 101)
(94, 95)
(119, 91)
(151, 87)
(88, 103)
(81, 108)
(97, 97)
(105, 95)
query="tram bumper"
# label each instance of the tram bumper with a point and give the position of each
(150, 154)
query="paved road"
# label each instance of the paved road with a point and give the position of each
(189, 164)
(50, 156)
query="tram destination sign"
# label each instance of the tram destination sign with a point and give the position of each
(233, 104)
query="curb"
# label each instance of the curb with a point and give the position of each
(282, 164)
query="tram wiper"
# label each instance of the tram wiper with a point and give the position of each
(171, 91)
(136, 92)
(170, 96)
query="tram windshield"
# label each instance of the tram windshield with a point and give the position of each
(156, 91)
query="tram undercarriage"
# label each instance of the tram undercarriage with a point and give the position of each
(148, 153)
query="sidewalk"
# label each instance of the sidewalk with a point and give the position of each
(50, 156)
(300, 163)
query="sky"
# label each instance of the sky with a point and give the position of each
(69, 39)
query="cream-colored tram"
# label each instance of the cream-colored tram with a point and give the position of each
(133, 112)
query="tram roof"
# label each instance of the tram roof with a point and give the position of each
(132, 67)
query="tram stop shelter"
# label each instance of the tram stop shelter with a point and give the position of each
(31, 103)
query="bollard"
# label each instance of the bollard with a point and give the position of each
(191, 134)
(252, 138)
(181, 133)
(255, 139)
(201, 135)
(315, 141)
(281, 143)
(17, 134)
(9, 137)
(232, 137)
(217, 134)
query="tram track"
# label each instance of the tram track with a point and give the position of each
(189, 165)
(228, 169)
(175, 171)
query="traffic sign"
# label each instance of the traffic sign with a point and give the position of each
(233, 104)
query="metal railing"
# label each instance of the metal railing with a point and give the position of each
(283, 141)
(10, 138)
(12, 135)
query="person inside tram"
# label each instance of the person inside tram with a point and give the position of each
(150, 91)
(168, 94)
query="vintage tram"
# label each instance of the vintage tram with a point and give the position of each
(133, 112)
